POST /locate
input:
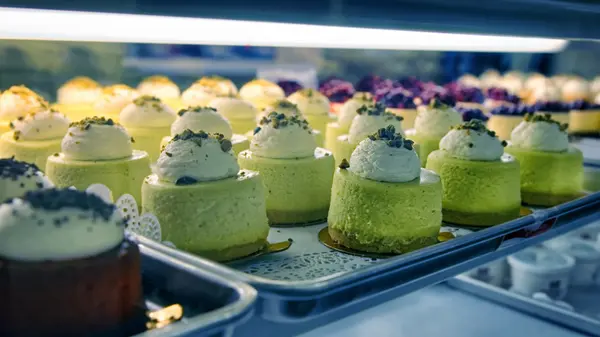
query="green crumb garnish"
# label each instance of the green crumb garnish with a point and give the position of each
(278, 120)
(16, 135)
(87, 122)
(185, 181)
(344, 164)
(197, 138)
(437, 104)
(475, 125)
(168, 154)
(56, 154)
(533, 118)
(11, 125)
(378, 109)
(391, 138)
(195, 109)
(284, 104)
(132, 140)
(504, 143)
(140, 101)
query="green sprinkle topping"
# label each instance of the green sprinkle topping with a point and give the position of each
(391, 138)
(284, 104)
(197, 138)
(279, 120)
(534, 118)
(474, 125)
(87, 122)
(378, 109)
(437, 104)
(140, 101)
(195, 109)
(344, 164)
(16, 135)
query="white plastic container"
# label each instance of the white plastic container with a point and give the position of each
(586, 255)
(492, 273)
(537, 269)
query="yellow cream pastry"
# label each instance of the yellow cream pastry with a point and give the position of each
(368, 119)
(240, 114)
(113, 99)
(205, 204)
(545, 91)
(261, 93)
(584, 118)
(34, 137)
(551, 170)
(480, 183)
(560, 79)
(17, 102)
(163, 88)
(148, 120)
(314, 106)
(346, 114)
(99, 151)
(432, 123)
(77, 96)
(469, 80)
(223, 86)
(382, 201)
(206, 89)
(575, 89)
(17, 178)
(297, 174)
(490, 78)
(205, 119)
(513, 82)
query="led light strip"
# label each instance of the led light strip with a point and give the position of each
(29, 24)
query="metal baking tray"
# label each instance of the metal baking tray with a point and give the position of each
(309, 279)
(585, 317)
(212, 305)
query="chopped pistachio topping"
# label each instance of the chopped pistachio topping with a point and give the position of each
(534, 118)
(278, 120)
(308, 92)
(474, 125)
(437, 104)
(377, 109)
(86, 123)
(344, 164)
(146, 99)
(391, 138)
(197, 138)
(195, 109)
(284, 104)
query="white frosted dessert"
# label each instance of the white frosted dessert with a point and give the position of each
(469, 80)
(537, 269)
(586, 255)
(551, 169)
(345, 116)
(481, 183)
(205, 119)
(490, 78)
(76, 98)
(148, 120)
(163, 88)
(16, 102)
(113, 99)
(297, 174)
(205, 204)
(17, 178)
(98, 150)
(261, 93)
(240, 114)
(382, 201)
(314, 106)
(34, 137)
(575, 89)
(367, 120)
(431, 124)
(545, 92)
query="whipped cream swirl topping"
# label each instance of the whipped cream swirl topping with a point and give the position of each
(234, 108)
(96, 138)
(115, 97)
(79, 90)
(201, 118)
(261, 88)
(19, 101)
(371, 118)
(192, 157)
(18, 177)
(349, 108)
(473, 141)
(283, 137)
(57, 225)
(159, 86)
(436, 119)
(310, 102)
(540, 133)
(386, 156)
(147, 112)
(43, 125)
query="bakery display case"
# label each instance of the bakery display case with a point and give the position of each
(227, 164)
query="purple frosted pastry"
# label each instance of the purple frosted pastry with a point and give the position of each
(289, 86)
(337, 91)
(472, 113)
(495, 97)
(505, 118)
(400, 102)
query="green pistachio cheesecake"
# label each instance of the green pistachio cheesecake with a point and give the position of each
(296, 173)
(431, 124)
(346, 114)
(16, 102)
(99, 151)
(162, 88)
(481, 184)
(314, 107)
(367, 120)
(551, 169)
(382, 201)
(205, 204)
(240, 114)
(261, 93)
(76, 97)
(148, 120)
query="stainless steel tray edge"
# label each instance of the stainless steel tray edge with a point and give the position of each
(528, 305)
